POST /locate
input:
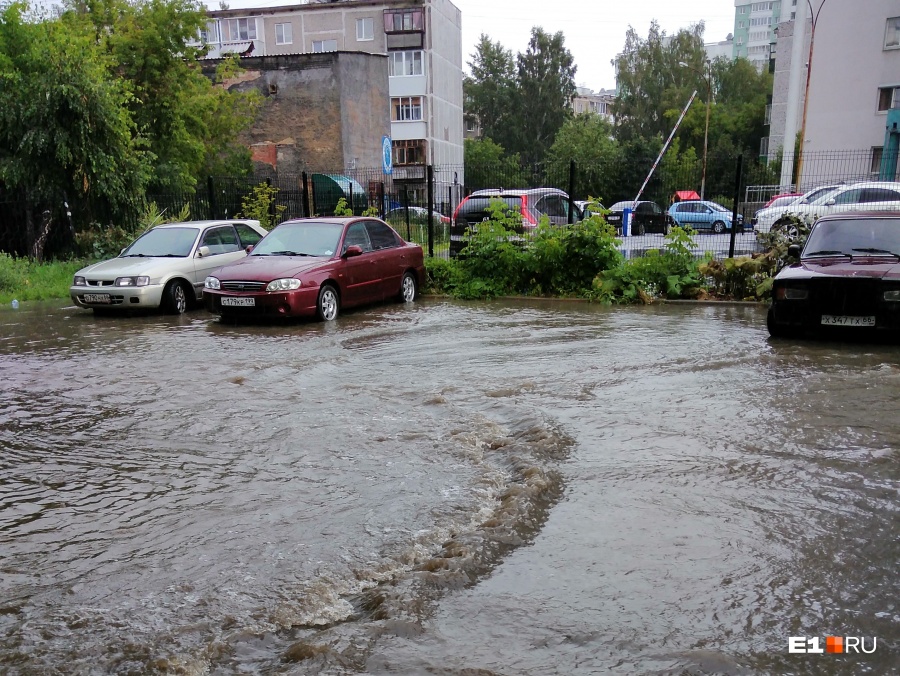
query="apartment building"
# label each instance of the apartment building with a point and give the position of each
(853, 111)
(754, 24)
(422, 40)
(587, 101)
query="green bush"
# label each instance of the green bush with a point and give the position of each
(22, 279)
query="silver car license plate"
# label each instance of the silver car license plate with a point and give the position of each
(844, 320)
(96, 298)
(231, 301)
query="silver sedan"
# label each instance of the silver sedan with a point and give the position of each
(165, 267)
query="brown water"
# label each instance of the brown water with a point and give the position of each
(515, 488)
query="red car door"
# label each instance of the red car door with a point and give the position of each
(387, 252)
(359, 274)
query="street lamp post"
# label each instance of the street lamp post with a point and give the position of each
(708, 77)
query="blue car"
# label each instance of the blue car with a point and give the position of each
(703, 215)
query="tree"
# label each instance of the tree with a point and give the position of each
(189, 122)
(587, 139)
(488, 166)
(546, 74)
(490, 91)
(652, 86)
(65, 129)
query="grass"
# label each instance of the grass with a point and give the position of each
(23, 280)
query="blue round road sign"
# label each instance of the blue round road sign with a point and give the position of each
(386, 161)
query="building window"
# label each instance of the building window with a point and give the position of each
(761, 21)
(210, 34)
(740, 24)
(740, 42)
(284, 34)
(877, 154)
(408, 152)
(365, 29)
(888, 97)
(406, 109)
(471, 126)
(892, 33)
(404, 22)
(743, 10)
(238, 30)
(759, 36)
(324, 45)
(764, 146)
(761, 7)
(406, 63)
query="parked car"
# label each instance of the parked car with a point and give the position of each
(416, 215)
(316, 267)
(586, 210)
(783, 199)
(532, 204)
(165, 267)
(847, 278)
(703, 215)
(766, 217)
(646, 217)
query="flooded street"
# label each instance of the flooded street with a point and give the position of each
(445, 488)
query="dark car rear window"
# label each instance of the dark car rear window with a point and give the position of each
(477, 207)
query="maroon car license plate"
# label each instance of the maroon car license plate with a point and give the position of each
(844, 320)
(231, 301)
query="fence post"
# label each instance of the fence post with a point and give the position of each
(352, 210)
(571, 214)
(272, 210)
(734, 208)
(406, 213)
(430, 211)
(307, 210)
(382, 210)
(212, 197)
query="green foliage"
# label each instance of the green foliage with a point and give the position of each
(546, 73)
(490, 92)
(259, 206)
(25, 280)
(492, 262)
(565, 260)
(670, 273)
(743, 278)
(588, 140)
(488, 166)
(342, 208)
(99, 242)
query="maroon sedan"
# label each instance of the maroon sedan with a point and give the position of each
(315, 266)
(847, 280)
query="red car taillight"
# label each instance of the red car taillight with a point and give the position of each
(527, 218)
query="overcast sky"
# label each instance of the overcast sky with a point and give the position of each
(594, 29)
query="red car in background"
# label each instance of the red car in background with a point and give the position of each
(783, 199)
(316, 266)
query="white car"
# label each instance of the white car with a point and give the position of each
(165, 267)
(865, 196)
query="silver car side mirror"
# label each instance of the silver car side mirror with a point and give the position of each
(202, 252)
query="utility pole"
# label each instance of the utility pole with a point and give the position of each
(814, 17)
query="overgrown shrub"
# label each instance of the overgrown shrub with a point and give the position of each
(258, 205)
(670, 273)
(98, 242)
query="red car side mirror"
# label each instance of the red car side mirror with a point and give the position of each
(353, 250)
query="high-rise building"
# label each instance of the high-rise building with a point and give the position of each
(754, 23)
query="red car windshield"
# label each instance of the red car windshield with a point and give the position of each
(309, 238)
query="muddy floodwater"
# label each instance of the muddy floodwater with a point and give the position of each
(445, 488)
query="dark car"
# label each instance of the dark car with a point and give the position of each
(532, 204)
(316, 266)
(646, 217)
(847, 280)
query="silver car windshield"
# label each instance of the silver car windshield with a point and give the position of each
(163, 243)
(855, 237)
(309, 238)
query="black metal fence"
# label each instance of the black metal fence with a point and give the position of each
(420, 201)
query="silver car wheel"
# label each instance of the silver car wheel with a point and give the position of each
(408, 288)
(328, 304)
(175, 299)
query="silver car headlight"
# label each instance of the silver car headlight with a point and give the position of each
(284, 284)
(212, 283)
(79, 281)
(132, 281)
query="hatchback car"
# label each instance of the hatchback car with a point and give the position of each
(847, 278)
(646, 217)
(316, 266)
(702, 215)
(165, 267)
(532, 204)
